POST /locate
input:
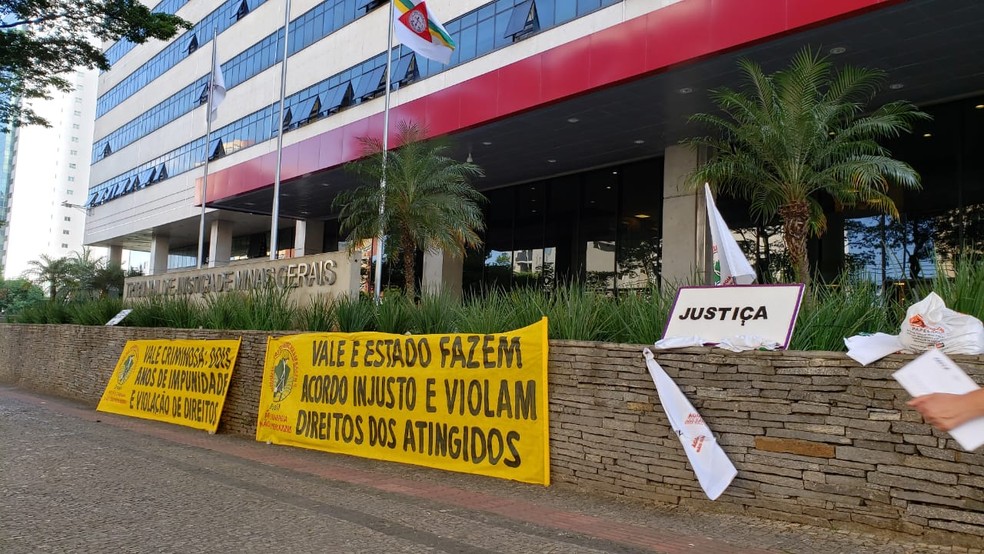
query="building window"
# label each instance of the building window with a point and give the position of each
(107, 150)
(73, 152)
(68, 218)
(243, 10)
(78, 112)
(192, 44)
(65, 232)
(371, 5)
(64, 245)
(71, 179)
(523, 22)
(75, 139)
(71, 166)
(75, 125)
(78, 99)
(69, 192)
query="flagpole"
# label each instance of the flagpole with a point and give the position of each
(275, 215)
(382, 181)
(208, 139)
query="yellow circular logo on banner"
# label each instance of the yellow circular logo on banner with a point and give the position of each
(284, 373)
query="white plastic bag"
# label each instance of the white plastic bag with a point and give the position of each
(930, 324)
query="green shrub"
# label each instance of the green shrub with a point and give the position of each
(491, 311)
(529, 305)
(842, 309)
(50, 312)
(579, 314)
(641, 315)
(95, 312)
(355, 313)
(263, 309)
(178, 312)
(963, 291)
(435, 313)
(318, 316)
(394, 313)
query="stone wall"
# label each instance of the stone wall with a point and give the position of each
(816, 437)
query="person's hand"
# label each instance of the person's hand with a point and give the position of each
(946, 411)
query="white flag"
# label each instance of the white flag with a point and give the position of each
(711, 464)
(731, 267)
(217, 88)
(420, 31)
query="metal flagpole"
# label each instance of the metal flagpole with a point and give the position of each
(382, 182)
(275, 215)
(208, 139)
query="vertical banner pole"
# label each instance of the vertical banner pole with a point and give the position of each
(275, 214)
(208, 139)
(382, 183)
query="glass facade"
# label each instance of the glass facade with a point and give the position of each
(602, 227)
(477, 33)
(943, 220)
(937, 223)
(123, 46)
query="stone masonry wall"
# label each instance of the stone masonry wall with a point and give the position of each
(816, 437)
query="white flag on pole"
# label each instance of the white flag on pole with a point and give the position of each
(711, 464)
(731, 267)
(217, 89)
(419, 30)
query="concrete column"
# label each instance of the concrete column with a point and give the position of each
(309, 237)
(220, 243)
(686, 239)
(442, 273)
(159, 247)
(116, 255)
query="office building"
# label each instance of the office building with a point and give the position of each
(574, 108)
(49, 175)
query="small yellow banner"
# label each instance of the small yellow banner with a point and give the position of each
(176, 381)
(472, 403)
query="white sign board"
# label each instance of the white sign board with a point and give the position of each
(718, 313)
(119, 317)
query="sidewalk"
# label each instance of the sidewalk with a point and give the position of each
(88, 475)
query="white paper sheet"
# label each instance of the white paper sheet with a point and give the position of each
(933, 372)
(866, 349)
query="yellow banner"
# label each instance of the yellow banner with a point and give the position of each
(176, 381)
(469, 403)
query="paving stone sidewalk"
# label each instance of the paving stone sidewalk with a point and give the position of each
(76, 480)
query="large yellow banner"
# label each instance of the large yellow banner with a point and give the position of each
(472, 403)
(176, 381)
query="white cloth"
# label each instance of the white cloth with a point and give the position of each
(711, 464)
(866, 349)
(738, 343)
(741, 343)
(678, 342)
(218, 90)
(417, 29)
(731, 267)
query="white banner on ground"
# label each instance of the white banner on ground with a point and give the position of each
(711, 464)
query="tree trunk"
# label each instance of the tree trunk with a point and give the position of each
(409, 283)
(795, 218)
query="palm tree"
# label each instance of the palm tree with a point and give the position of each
(429, 202)
(802, 132)
(83, 268)
(51, 274)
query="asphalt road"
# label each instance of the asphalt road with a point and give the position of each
(75, 480)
